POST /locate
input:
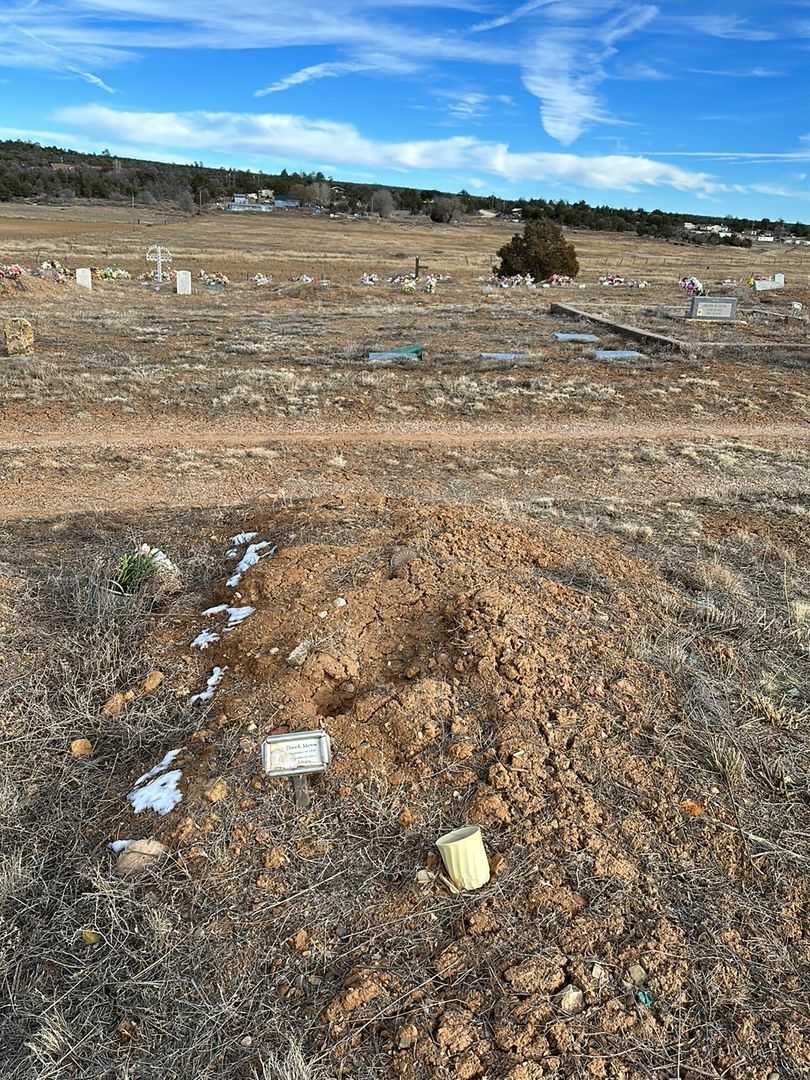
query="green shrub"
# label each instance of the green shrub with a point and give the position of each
(541, 251)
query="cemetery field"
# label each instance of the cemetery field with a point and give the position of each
(562, 596)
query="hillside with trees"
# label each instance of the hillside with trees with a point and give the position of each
(52, 174)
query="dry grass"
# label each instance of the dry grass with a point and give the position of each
(125, 350)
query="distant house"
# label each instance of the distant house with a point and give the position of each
(266, 194)
(248, 203)
(689, 226)
(765, 238)
(287, 204)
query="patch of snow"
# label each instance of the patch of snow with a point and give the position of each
(160, 794)
(237, 615)
(214, 679)
(243, 538)
(204, 639)
(250, 558)
(155, 790)
(160, 767)
(117, 846)
(340, 602)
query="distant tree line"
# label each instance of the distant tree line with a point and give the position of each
(31, 171)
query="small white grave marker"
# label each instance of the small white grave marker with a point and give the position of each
(297, 755)
(777, 281)
(84, 279)
(184, 283)
(719, 308)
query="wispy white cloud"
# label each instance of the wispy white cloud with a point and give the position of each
(391, 65)
(22, 48)
(276, 136)
(730, 27)
(308, 74)
(779, 191)
(745, 157)
(471, 105)
(740, 73)
(640, 71)
(512, 16)
(564, 67)
(90, 78)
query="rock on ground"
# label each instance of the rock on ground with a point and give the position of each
(17, 337)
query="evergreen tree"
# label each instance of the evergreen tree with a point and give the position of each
(541, 250)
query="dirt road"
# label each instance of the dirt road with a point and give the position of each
(184, 436)
(48, 473)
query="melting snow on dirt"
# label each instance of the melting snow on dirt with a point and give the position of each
(205, 638)
(236, 615)
(214, 679)
(250, 558)
(157, 789)
(237, 541)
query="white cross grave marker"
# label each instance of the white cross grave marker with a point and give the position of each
(159, 255)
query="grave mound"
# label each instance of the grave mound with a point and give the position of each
(467, 670)
(26, 286)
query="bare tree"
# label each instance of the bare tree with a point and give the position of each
(445, 209)
(382, 201)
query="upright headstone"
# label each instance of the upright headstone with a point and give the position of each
(183, 283)
(776, 281)
(84, 279)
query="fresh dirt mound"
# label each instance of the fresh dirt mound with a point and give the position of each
(479, 673)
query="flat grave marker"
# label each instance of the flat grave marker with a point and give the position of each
(183, 280)
(618, 354)
(714, 308)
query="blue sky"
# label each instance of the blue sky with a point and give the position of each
(702, 109)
